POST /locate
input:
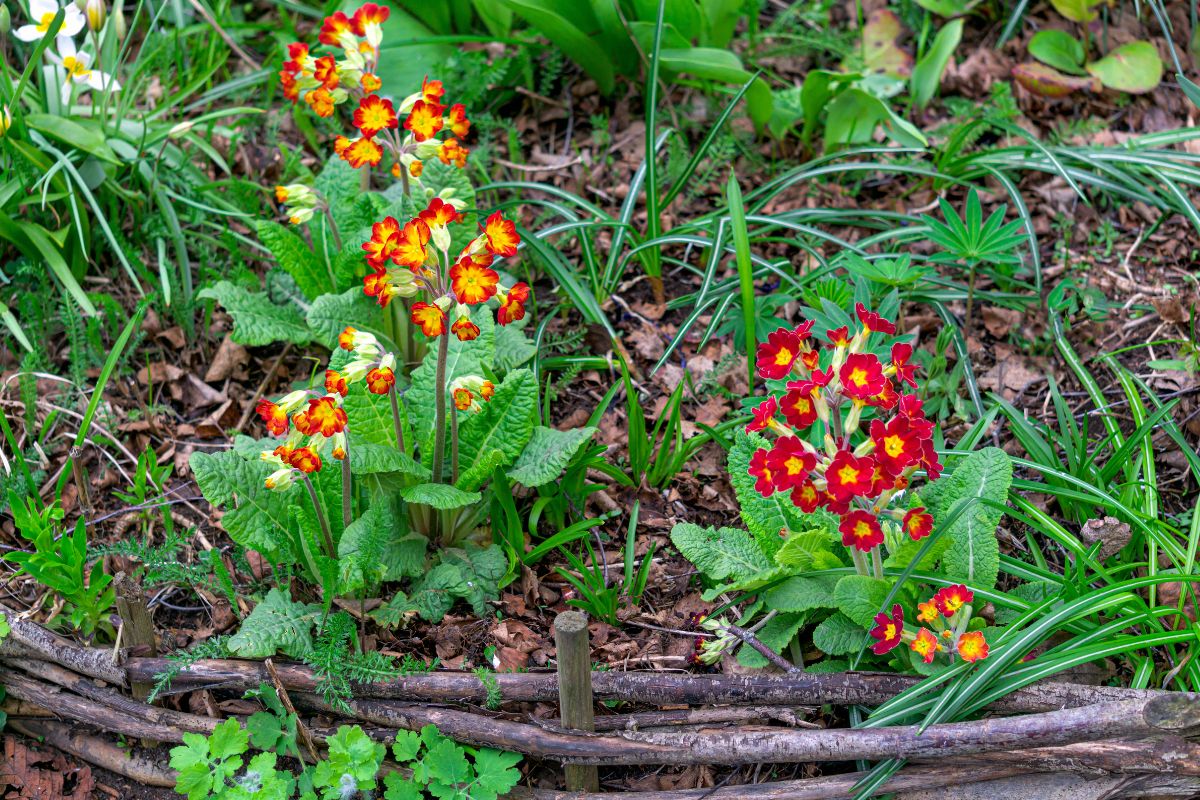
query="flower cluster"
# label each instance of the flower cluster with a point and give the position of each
(416, 257)
(299, 202)
(75, 64)
(468, 390)
(371, 365)
(311, 422)
(945, 612)
(853, 473)
(326, 81)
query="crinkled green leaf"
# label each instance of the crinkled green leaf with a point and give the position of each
(441, 496)
(504, 423)
(776, 634)
(974, 553)
(547, 454)
(257, 320)
(720, 554)
(839, 636)
(331, 313)
(860, 597)
(296, 258)
(259, 519)
(796, 594)
(276, 624)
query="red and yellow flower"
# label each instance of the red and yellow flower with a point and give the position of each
(761, 471)
(335, 383)
(375, 114)
(861, 530)
(362, 152)
(465, 329)
(950, 599)
(862, 376)
(897, 447)
(472, 283)
(763, 415)
(430, 318)
(927, 612)
(926, 645)
(424, 120)
(323, 416)
(457, 121)
(972, 647)
(806, 497)
(900, 366)
(888, 630)
(799, 405)
(790, 461)
(777, 354)
(872, 321)
(501, 235)
(849, 475)
(380, 380)
(918, 523)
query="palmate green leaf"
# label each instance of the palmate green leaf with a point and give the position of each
(547, 454)
(974, 553)
(839, 636)
(257, 320)
(441, 496)
(721, 554)
(495, 773)
(293, 254)
(259, 519)
(504, 423)
(776, 634)
(276, 624)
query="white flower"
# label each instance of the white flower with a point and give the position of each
(42, 13)
(78, 68)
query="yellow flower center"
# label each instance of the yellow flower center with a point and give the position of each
(858, 377)
(783, 357)
(44, 23)
(848, 474)
(894, 446)
(75, 68)
(862, 530)
(794, 465)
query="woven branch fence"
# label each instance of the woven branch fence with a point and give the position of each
(1049, 740)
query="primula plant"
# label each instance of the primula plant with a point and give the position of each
(368, 460)
(841, 487)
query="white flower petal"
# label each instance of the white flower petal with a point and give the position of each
(28, 33)
(99, 81)
(65, 46)
(40, 8)
(72, 23)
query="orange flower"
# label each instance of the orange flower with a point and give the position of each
(273, 416)
(850, 476)
(431, 319)
(860, 530)
(927, 612)
(367, 16)
(861, 376)
(790, 462)
(918, 523)
(972, 647)
(424, 121)
(450, 152)
(926, 645)
(416, 168)
(326, 72)
(464, 329)
(460, 126)
(361, 152)
(340, 145)
(501, 235)
(777, 354)
(297, 55)
(335, 382)
(763, 414)
(797, 405)
(472, 283)
(761, 470)
(410, 244)
(463, 399)
(370, 83)
(323, 416)
(375, 114)
(375, 284)
(887, 630)
(487, 390)
(952, 598)
(440, 213)
(321, 102)
(512, 305)
(332, 29)
(383, 241)
(290, 90)
(896, 446)
(305, 459)
(432, 91)
(380, 380)
(346, 338)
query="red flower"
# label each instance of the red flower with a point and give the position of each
(972, 647)
(369, 14)
(459, 124)
(839, 337)
(323, 416)
(797, 405)
(440, 213)
(432, 91)
(896, 446)
(325, 70)
(929, 460)
(887, 630)
(431, 319)
(926, 645)
(806, 497)
(861, 530)
(334, 26)
(811, 359)
(886, 399)
(850, 476)
(273, 416)
(291, 90)
(297, 55)
(501, 235)
(384, 238)
(905, 372)
(872, 321)
(759, 468)
(790, 462)
(410, 244)
(346, 338)
(777, 354)
(951, 598)
(804, 329)
(862, 376)
(305, 459)
(375, 114)
(918, 523)
(380, 380)
(763, 414)
(375, 284)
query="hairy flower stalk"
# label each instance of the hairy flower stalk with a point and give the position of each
(347, 492)
(439, 409)
(326, 534)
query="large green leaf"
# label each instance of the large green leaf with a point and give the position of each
(983, 479)
(927, 74)
(764, 516)
(546, 17)
(1135, 68)
(839, 636)
(441, 496)
(462, 358)
(720, 554)
(294, 256)
(505, 422)
(257, 320)
(547, 454)
(860, 597)
(800, 594)
(255, 517)
(276, 624)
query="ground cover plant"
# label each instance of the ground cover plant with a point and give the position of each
(348, 346)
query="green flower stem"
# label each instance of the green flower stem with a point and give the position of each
(399, 429)
(453, 443)
(860, 561)
(877, 562)
(439, 408)
(333, 228)
(347, 489)
(330, 549)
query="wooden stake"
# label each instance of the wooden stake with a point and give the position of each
(575, 690)
(137, 630)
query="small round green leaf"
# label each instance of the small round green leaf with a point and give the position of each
(1059, 49)
(1134, 68)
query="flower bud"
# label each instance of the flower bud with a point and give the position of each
(5, 117)
(5, 20)
(118, 20)
(96, 12)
